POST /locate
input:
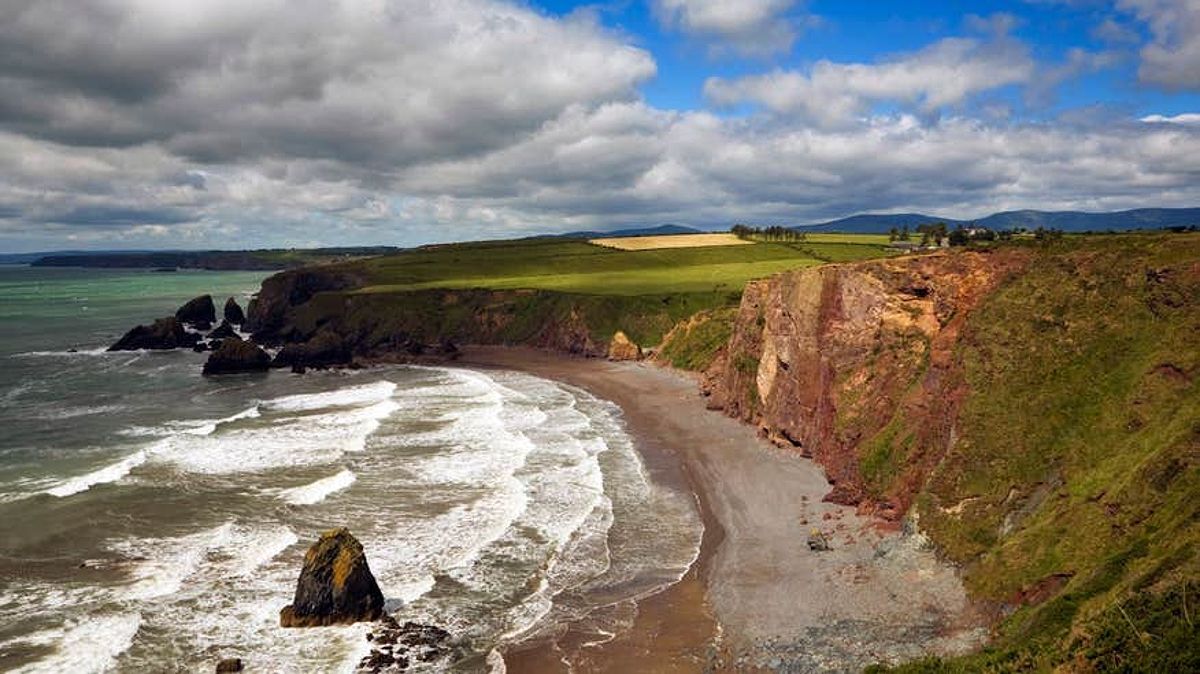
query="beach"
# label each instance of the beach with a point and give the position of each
(757, 596)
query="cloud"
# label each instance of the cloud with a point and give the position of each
(747, 26)
(943, 74)
(378, 83)
(1185, 118)
(407, 121)
(1171, 59)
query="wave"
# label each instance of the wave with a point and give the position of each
(70, 353)
(84, 411)
(209, 427)
(109, 473)
(168, 562)
(89, 644)
(318, 491)
(344, 397)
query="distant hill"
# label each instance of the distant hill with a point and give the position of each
(248, 260)
(660, 230)
(1069, 221)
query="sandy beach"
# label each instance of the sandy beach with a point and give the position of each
(757, 597)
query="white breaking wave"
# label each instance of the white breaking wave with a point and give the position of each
(109, 473)
(169, 561)
(89, 644)
(345, 397)
(318, 491)
(210, 427)
(97, 351)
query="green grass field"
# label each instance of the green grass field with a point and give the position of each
(579, 267)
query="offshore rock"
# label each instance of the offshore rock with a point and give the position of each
(200, 312)
(230, 665)
(233, 312)
(335, 586)
(223, 331)
(237, 355)
(325, 349)
(165, 333)
(395, 647)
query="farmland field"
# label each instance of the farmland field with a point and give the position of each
(670, 241)
(578, 267)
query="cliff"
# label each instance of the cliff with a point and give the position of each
(1035, 407)
(826, 360)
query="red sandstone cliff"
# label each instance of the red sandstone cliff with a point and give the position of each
(854, 365)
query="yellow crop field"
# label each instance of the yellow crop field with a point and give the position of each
(671, 241)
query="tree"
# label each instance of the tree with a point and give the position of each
(904, 233)
(959, 237)
(893, 234)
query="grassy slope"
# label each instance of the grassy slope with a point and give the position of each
(644, 293)
(1078, 453)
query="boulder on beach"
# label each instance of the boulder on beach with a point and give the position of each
(233, 312)
(223, 331)
(623, 348)
(165, 333)
(199, 312)
(335, 586)
(237, 355)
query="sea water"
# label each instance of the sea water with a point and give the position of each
(155, 520)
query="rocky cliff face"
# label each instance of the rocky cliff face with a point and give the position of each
(854, 365)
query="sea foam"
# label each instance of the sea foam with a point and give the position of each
(318, 491)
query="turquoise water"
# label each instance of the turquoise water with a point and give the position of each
(155, 520)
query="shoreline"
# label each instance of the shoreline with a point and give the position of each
(756, 597)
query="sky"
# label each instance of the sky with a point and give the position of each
(141, 124)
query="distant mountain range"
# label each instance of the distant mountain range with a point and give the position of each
(1068, 221)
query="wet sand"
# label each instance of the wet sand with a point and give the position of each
(757, 597)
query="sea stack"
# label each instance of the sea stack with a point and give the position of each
(165, 333)
(237, 355)
(233, 312)
(335, 586)
(199, 312)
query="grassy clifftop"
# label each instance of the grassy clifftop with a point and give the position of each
(1073, 485)
(565, 294)
(1035, 405)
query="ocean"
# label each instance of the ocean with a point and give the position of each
(155, 520)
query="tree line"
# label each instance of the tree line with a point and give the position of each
(771, 233)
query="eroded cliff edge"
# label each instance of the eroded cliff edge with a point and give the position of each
(827, 359)
(1036, 408)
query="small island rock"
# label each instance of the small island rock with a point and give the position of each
(165, 333)
(227, 665)
(233, 312)
(223, 331)
(199, 312)
(237, 355)
(335, 586)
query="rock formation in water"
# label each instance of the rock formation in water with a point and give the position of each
(228, 665)
(335, 586)
(237, 355)
(325, 349)
(223, 331)
(165, 333)
(199, 312)
(233, 312)
(396, 647)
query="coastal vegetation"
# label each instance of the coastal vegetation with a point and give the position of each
(1031, 403)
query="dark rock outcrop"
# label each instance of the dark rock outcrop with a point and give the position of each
(237, 355)
(200, 312)
(325, 349)
(165, 333)
(397, 646)
(233, 312)
(335, 586)
(223, 331)
(228, 665)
